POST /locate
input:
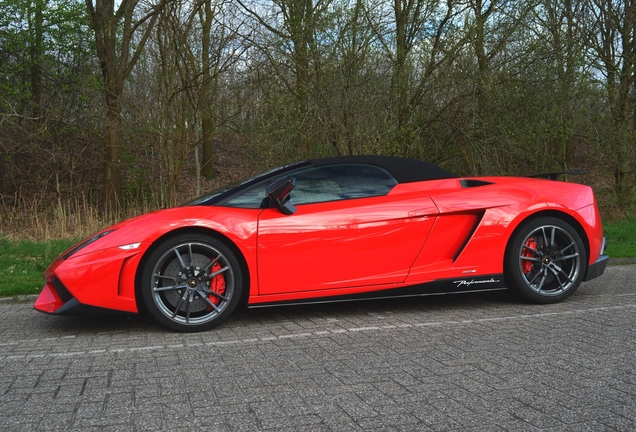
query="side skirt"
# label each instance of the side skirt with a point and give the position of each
(438, 287)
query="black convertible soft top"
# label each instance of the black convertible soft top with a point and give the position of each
(405, 170)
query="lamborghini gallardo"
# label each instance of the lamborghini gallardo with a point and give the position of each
(334, 229)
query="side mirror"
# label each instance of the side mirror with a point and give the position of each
(279, 192)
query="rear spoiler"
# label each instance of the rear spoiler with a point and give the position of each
(555, 174)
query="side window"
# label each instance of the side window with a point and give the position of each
(250, 199)
(322, 184)
(341, 182)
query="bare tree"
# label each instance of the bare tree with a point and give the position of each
(417, 39)
(612, 37)
(209, 88)
(411, 17)
(294, 22)
(115, 29)
(220, 50)
(559, 40)
(348, 117)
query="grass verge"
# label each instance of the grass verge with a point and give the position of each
(621, 238)
(23, 262)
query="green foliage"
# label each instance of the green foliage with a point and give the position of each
(621, 238)
(48, 109)
(52, 35)
(22, 264)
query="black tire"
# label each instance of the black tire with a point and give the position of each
(191, 282)
(545, 260)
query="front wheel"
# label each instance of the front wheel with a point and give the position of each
(191, 282)
(545, 260)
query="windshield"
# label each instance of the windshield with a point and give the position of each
(224, 193)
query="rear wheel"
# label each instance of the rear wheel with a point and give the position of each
(191, 282)
(545, 260)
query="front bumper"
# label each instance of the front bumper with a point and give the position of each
(103, 279)
(56, 300)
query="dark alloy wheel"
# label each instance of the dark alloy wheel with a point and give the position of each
(545, 260)
(191, 282)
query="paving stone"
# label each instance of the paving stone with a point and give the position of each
(480, 362)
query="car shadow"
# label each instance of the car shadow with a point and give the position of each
(117, 322)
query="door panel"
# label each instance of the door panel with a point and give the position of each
(340, 244)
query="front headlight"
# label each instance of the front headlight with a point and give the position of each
(83, 244)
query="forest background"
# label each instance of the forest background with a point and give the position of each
(108, 109)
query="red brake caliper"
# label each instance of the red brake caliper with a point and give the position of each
(217, 284)
(531, 245)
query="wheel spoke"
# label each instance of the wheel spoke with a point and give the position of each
(556, 275)
(545, 239)
(218, 272)
(211, 303)
(181, 300)
(216, 294)
(179, 257)
(545, 275)
(188, 307)
(209, 266)
(526, 258)
(567, 278)
(560, 270)
(190, 252)
(534, 251)
(563, 258)
(168, 288)
(205, 292)
(552, 236)
(534, 278)
(173, 279)
(567, 247)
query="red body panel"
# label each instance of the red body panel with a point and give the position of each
(369, 241)
(103, 275)
(419, 232)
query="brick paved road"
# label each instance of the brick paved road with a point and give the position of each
(481, 362)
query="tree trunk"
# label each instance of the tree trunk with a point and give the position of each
(400, 79)
(112, 157)
(114, 31)
(36, 59)
(207, 118)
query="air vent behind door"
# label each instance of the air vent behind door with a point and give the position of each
(471, 183)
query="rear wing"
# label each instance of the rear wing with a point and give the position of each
(555, 174)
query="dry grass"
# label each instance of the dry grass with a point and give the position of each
(46, 216)
(35, 219)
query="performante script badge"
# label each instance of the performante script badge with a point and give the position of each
(467, 283)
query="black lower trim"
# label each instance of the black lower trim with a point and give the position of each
(596, 269)
(61, 290)
(74, 307)
(442, 286)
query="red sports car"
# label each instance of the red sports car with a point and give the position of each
(336, 229)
